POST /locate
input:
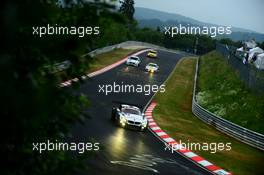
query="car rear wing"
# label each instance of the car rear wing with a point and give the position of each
(119, 103)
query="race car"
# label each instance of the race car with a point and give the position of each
(126, 115)
(133, 61)
(152, 54)
(152, 67)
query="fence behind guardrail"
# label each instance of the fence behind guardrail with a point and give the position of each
(249, 74)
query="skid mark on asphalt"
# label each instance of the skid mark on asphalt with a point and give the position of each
(148, 162)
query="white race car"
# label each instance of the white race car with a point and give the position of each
(133, 61)
(129, 116)
(152, 67)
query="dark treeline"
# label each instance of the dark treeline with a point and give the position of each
(33, 107)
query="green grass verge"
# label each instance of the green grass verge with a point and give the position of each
(223, 93)
(105, 59)
(173, 114)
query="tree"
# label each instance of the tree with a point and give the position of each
(158, 29)
(33, 107)
(262, 45)
(127, 8)
(230, 42)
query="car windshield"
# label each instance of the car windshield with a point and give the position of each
(133, 58)
(152, 65)
(131, 111)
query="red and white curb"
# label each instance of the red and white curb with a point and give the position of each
(178, 147)
(107, 68)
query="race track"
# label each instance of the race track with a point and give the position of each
(125, 151)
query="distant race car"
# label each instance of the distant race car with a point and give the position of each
(152, 54)
(133, 61)
(129, 116)
(152, 67)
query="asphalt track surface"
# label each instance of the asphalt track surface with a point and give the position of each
(126, 151)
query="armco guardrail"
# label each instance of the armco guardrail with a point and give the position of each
(130, 44)
(245, 135)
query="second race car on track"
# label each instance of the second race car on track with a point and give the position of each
(133, 61)
(152, 67)
(126, 115)
(152, 54)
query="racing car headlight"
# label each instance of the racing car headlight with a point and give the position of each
(122, 119)
(144, 123)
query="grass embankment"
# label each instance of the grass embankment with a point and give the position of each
(102, 60)
(223, 93)
(173, 114)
